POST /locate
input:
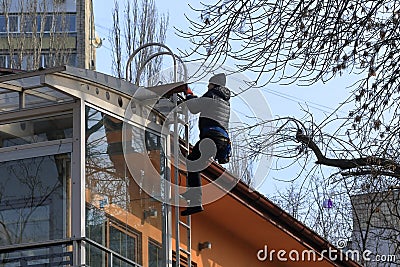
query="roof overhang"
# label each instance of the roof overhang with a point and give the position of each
(269, 212)
(52, 86)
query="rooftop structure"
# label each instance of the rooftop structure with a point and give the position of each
(83, 182)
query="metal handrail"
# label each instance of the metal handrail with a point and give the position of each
(67, 241)
(143, 65)
(109, 251)
(131, 57)
(52, 243)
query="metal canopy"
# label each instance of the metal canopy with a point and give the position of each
(25, 90)
(65, 83)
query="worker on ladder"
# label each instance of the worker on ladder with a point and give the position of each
(214, 109)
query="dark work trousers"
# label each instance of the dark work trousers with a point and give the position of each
(194, 180)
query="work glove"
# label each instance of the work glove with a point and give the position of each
(188, 91)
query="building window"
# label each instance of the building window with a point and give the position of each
(58, 23)
(35, 130)
(125, 242)
(3, 24)
(96, 223)
(34, 207)
(155, 254)
(47, 23)
(111, 186)
(13, 23)
(34, 196)
(27, 23)
(113, 234)
(30, 24)
(71, 22)
(4, 61)
(27, 62)
(72, 59)
(45, 60)
(11, 26)
(183, 261)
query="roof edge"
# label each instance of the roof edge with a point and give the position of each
(270, 211)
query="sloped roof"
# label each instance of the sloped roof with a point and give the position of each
(269, 211)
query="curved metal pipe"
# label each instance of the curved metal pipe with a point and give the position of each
(143, 65)
(136, 51)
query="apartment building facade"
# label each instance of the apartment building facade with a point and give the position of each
(47, 33)
(376, 226)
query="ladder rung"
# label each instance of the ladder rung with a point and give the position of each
(184, 251)
(181, 197)
(183, 122)
(184, 224)
(184, 146)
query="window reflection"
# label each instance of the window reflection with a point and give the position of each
(124, 242)
(96, 223)
(33, 199)
(114, 193)
(34, 204)
(34, 131)
(155, 254)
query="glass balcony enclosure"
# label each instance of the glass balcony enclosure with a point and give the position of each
(67, 197)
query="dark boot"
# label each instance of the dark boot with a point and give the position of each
(192, 210)
(188, 195)
(193, 196)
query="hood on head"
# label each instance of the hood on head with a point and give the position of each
(222, 92)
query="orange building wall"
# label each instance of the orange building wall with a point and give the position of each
(235, 232)
(227, 248)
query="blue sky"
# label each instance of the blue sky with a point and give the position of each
(283, 100)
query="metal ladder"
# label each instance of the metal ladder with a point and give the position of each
(179, 223)
(185, 224)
